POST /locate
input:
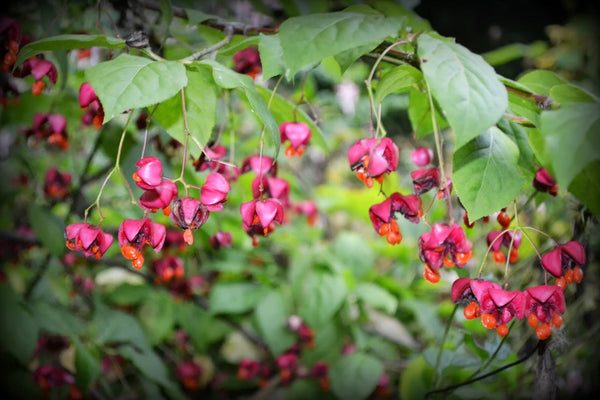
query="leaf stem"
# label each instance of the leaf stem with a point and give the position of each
(374, 108)
(116, 168)
(211, 49)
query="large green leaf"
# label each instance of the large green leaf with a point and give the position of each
(586, 187)
(283, 111)
(133, 82)
(311, 38)
(320, 295)
(152, 366)
(234, 297)
(271, 317)
(229, 79)
(464, 85)
(486, 174)
(355, 376)
(156, 315)
(114, 326)
(200, 105)
(68, 42)
(202, 327)
(87, 364)
(377, 297)
(397, 80)
(572, 135)
(54, 318)
(48, 227)
(541, 81)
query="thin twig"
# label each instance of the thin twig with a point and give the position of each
(494, 372)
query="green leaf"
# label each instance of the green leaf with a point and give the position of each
(569, 93)
(377, 297)
(271, 55)
(18, 327)
(485, 173)
(541, 81)
(302, 389)
(127, 294)
(228, 79)
(234, 297)
(129, 82)
(196, 322)
(68, 42)
(271, 317)
(311, 38)
(416, 380)
(464, 85)
(397, 80)
(283, 111)
(200, 105)
(329, 341)
(320, 295)
(572, 135)
(149, 364)
(87, 365)
(346, 59)
(419, 113)
(48, 227)
(56, 319)
(526, 157)
(156, 315)
(355, 376)
(114, 326)
(353, 252)
(586, 187)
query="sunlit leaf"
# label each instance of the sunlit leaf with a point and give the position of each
(308, 39)
(129, 82)
(464, 85)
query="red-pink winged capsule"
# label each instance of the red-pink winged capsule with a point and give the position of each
(214, 191)
(564, 257)
(140, 232)
(544, 301)
(149, 173)
(160, 197)
(88, 238)
(297, 133)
